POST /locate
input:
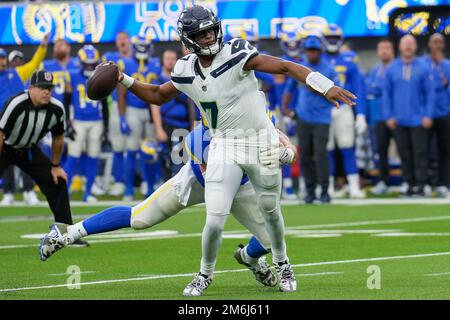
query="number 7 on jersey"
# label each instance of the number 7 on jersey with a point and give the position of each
(211, 106)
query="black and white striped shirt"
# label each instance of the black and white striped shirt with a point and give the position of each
(24, 125)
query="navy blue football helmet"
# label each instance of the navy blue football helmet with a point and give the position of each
(192, 23)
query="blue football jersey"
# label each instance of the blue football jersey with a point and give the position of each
(60, 75)
(147, 73)
(115, 57)
(349, 75)
(84, 109)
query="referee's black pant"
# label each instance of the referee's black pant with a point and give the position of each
(38, 167)
(313, 139)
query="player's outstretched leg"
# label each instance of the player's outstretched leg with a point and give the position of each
(252, 256)
(62, 235)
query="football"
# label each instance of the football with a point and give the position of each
(103, 81)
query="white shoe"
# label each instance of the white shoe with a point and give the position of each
(30, 198)
(442, 191)
(91, 199)
(8, 199)
(428, 191)
(261, 270)
(197, 286)
(404, 188)
(56, 239)
(128, 198)
(380, 188)
(117, 189)
(357, 194)
(288, 196)
(341, 193)
(288, 283)
(144, 188)
(97, 191)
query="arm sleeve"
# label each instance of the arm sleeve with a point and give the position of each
(60, 127)
(25, 71)
(429, 89)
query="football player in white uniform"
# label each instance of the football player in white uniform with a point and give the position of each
(219, 77)
(185, 189)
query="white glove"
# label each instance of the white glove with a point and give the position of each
(269, 157)
(360, 124)
(287, 156)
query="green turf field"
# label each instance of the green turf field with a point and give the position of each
(331, 247)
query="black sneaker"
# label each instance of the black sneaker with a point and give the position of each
(325, 198)
(80, 243)
(310, 198)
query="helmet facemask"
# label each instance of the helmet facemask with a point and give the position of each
(190, 40)
(333, 43)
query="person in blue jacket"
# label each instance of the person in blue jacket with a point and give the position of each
(440, 130)
(375, 81)
(313, 115)
(408, 96)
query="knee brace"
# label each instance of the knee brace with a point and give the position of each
(267, 203)
(138, 224)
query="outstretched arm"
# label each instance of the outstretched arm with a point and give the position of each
(152, 94)
(315, 80)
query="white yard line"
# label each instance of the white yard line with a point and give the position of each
(437, 274)
(156, 277)
(288, 229)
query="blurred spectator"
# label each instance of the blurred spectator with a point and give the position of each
(179, 113)
(134, 113)
(344, 125)
(117, 139)
(12, 81)
(375, 81)
(440, 131)
(313, 115)
(15, 59)
(87, 126)
(408, 95)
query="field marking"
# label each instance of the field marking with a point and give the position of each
(70, 273)
(412, 234)
(168, 276)
(288, 229)
(317, 274)
(437, 274)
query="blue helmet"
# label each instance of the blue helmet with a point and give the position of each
(197, 144)
(142, 47)
(149, 151)
(89, 58)
(333, 37)
(312, 42)
(195, 20)
(290, 43)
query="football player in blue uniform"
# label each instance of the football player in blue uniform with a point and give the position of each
(343, 123)
(134, 113)
(117, 139)
(60, 66)
(291, 44)
(87, 123)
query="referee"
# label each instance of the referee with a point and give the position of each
(26, 119)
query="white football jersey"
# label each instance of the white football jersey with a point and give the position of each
(226, 95)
